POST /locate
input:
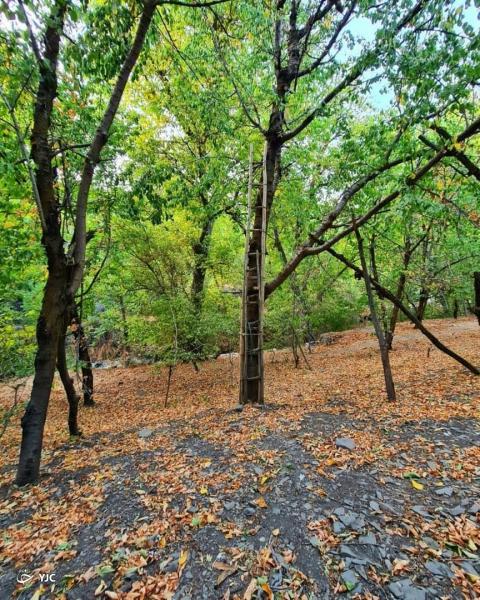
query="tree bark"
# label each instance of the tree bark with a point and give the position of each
(54, 304)
(402, 280)
(49, 330)
(62, 282)
(200, 257)
(382, 342)
(476, 283)
(422, 303)
(251, 358)
(68, 385)
(81, 343)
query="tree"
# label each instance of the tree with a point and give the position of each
(307, 89)
(65, 267)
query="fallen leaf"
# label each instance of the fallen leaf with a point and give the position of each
(416, 484)
(261, 502)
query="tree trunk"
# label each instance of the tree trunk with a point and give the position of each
(57, 297)
(456, 308)
(387, 371)
(200, 257)
(385, 293)
(68, 385)
(49, 331)
(81, 343)
(402, 280)
(123, 312)
(422, 304)
(476, 283)
(251, 356)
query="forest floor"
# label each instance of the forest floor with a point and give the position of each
(197, 501)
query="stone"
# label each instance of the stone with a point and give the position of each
(249, 511)
(469, 568)
(349, 518)
(338, 527)
(229, 505)
(431, 542)
(369, 539)
(456, 510)
(444, 491)
(145, 433)
(350, 579)
(345, 443)
(439, 569)
(474, 509)
(405, 590)
(422, 511)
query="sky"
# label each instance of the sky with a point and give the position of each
(363, 27)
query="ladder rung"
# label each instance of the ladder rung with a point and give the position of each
(253, 378)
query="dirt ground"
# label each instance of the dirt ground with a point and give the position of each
(327, 492)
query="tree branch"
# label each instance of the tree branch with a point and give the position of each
(385, 293)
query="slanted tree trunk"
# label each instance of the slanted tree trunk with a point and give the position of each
(476, 284)
(68, 385)
(49, 332)
(382, 342)
(81, 343)
(62, 282)
(402, 280)
(385, 293)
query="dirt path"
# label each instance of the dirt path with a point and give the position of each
(328, 492)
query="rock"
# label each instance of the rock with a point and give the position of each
(359, 523)
(229, 505)
(405, 590)
(345, 443)
(171, 567)
(369, 539)
(238, 408)
(348, 518)
(375, 506)
(338, 527)
(456, 510)
(439, 569)
(145, 432)
(350, 579)
(474, 509)
(444, 491)
(249, 511)
(469, 568)
(422, 511)
(431, 543)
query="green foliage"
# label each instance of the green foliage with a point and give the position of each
(168, 204)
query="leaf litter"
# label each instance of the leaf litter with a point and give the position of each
(264, 503)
